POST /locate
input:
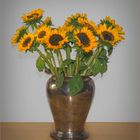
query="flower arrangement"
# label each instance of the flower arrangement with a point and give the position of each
(92, 45)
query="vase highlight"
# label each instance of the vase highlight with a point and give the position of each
(70, 112)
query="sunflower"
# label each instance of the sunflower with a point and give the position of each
(41, 33)
(73, 19)
(111, 22)
(120, 29)
(26, 42)
(56, 38)
(92, 26)
(68, 29)
(17, 36)
(33, 16)
(85, 39)
(82, 21)
(109, 35)
(48, 21)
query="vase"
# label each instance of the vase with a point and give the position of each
(70, 112)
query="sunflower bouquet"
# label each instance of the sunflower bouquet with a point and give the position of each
(77, 48)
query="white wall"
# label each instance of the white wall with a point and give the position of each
(139, 82)
(117, 92)
(1, 40)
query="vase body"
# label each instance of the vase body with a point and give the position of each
(70, 112)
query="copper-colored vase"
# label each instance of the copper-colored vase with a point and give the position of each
(70, 112)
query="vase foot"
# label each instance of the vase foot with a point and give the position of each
(59, 135)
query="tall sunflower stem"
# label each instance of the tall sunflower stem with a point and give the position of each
(61, 59)
(46, 60)
(91, 60)
(68, 56)
(50, 59)
(47, 55)
(77, 63)
(55, 66)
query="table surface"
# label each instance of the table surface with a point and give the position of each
(97, 131)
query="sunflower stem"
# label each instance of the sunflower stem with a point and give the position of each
(52, 56)
(59, 63)
(89, 63)
(46, 60)
(77, 63)
(68, 56)
(60, 60)
(47, 55)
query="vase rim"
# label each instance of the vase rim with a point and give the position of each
(85, 78)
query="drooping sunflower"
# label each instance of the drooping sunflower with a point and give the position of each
(109, 35)
(41, 33)
(33, 16)
(26, 42)
(85, 39)
(18, 35)
(56, 38)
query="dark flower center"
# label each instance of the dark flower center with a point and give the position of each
(26, 42)
(107, 36)
(83, 38)
(41, 34)
(55, 39)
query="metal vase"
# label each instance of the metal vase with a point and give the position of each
(70, 112)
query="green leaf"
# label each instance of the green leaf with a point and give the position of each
(100, 66)
(40, 64)
(75, 85)
(32, 26)
(59, 78)
(103, 56)
(86, 56)
(96, 67)
(103, 67)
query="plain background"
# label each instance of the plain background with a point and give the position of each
(22, 87)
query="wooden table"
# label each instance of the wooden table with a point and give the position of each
(98, 131)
